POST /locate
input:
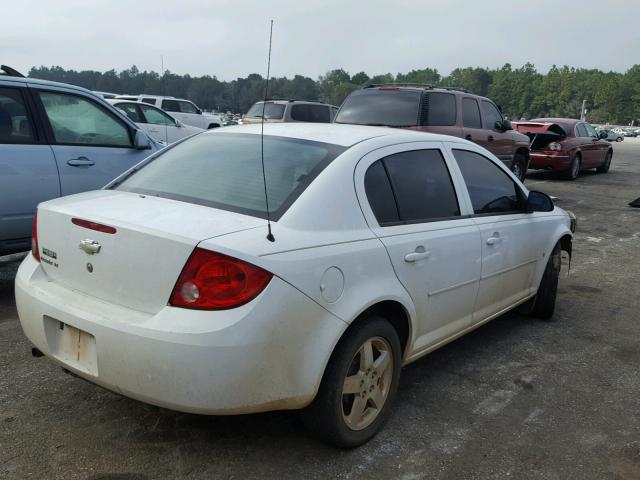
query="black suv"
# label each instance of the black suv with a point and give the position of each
(439, 110)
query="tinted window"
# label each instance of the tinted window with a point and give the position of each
(380, 195)
(421, 185)
(439, 109)
(310, 113)
(150, 101)
(170, 105)
(76, 120)
(224, 171)
(581, 131)
(130, 110)
(491, 114)
(591, 131)
(187, 107)
(491, 190)
(272, 111)
(470, 113)
(374, 106)
(15, 126)
(156, 116)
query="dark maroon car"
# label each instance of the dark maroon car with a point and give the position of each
(565, 145)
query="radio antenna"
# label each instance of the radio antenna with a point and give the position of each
(270, 236)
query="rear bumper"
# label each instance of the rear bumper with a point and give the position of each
(267, 355)
(549, 162)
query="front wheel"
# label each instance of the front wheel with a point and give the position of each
(545, 300)
(359, 385)
(519, 166)
(619, 139)
(604, 168)
(574, 169)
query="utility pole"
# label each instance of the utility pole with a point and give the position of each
(583, 110)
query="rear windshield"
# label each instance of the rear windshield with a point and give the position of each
(372, 106)
(223, 170)
(273, 111)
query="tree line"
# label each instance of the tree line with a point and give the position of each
(611, 97)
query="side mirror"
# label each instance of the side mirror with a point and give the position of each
(141, 141)
(603, 135)
(198, 111)
(539, 202)
(179, 124)
(503, 125)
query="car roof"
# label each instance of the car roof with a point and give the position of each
(338, 134)
(37, 81)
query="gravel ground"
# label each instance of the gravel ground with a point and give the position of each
(517, 398)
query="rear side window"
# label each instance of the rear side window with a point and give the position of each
(224, 171)
(15, 125)
(150, 101)
(378, 106)
(491, 190)
(170, 105)
(310, 113)
(131, 111)
(439, 109)
(491, 114)
(272, 111)
(470, 113)
(76, 120)
(156, 116)
(418, 181)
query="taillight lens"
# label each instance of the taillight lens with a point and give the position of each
(213, 281)
(554, 146)
(35, 249)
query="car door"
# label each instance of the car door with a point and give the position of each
(499, 142)
(91, 144)
(585, 145)
(161, 126)
(599, 147)
(472, 122)
(512, 244)
(28, 173)
(410, 203)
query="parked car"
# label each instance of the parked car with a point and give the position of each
(161, 126)
(184, 110)
(386, 245)
(55, 140)
(610, 135)
(447, 111)
(282, 110)
(566, 145)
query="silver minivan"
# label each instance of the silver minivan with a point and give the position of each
(283, 110)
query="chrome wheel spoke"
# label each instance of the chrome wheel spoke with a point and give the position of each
(357, 411)
(366, 355)
(382, 363)
(377, 397)
(352, 384)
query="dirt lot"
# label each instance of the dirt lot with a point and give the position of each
(517, 398)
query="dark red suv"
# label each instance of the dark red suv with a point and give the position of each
(439, 110)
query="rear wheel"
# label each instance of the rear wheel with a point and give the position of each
(359, 385)
(604, 168)
(619, 139)
(574, 169)
(213, 125)
(519, 166)
(545, 300)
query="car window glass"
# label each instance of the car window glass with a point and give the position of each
(490, 188)
(77, 120)
(491, 114)
(187, 107)
(381, 106)
(156, 116)
(272, 111)
(380, 195)
(470, 113)
(15, 125)
(591, 132)
(150, 101)
(310, 113)
(170, 105)
(581, 131)
(130, 111)
(421, 185)
(439, 109)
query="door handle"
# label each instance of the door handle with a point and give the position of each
(467, 136)
(494, 239)
(80, 162)
(490, 138)
(415, 256)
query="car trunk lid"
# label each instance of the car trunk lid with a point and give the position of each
(540, 134)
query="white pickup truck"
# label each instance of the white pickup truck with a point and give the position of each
(184, 110)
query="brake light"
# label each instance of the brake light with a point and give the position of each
(213, 281)
(35, 249)
(554, 146)
(93, 226)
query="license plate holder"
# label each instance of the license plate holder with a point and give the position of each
(72, 346)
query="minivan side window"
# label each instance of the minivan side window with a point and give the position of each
(150, 101)
(310, 113)
(491, 114)
(15, 124)
(439, 109)
(470, 113)
(78, 121)
(416, 182)
(490, 188)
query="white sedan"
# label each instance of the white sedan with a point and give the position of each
(387, 244)
(161, 126)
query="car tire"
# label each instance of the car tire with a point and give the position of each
(573, 171)
(331, 416)
(619, 139)
(519, 166)
(213, 125)
(545, 300)
(604, 168)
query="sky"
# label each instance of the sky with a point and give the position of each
(229, 38)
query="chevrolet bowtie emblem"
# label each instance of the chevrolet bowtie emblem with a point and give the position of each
(89, 246)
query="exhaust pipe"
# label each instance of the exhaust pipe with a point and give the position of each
(36, 353)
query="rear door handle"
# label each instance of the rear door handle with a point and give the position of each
(80, 162)
(415, 256)
(490, 138)
(494, 239)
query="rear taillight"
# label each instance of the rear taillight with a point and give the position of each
(213, 281)
(35, 249)
(554, 146)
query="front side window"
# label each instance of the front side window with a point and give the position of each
(591, 132)
(439, 109)
(490, 188)
(170, 105)
(470, 113)
(187, 107)
(387, 106)
(310, 113)
(581, 131)
(272, 111)
(15, 125)
(491, 114)
(224, 171)
(155, 116)
(130, 110)
(419, 182)
(76, 120)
